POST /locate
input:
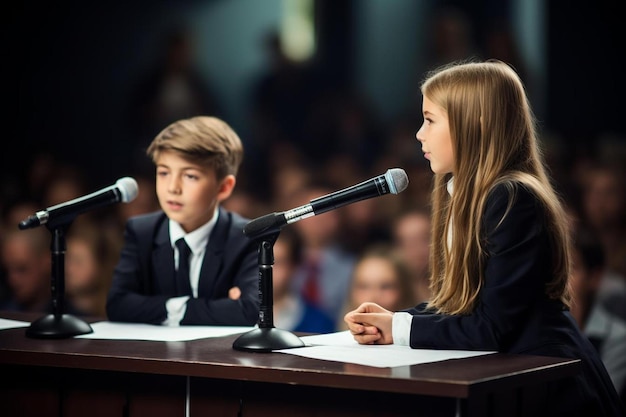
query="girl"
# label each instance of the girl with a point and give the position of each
(500, 252)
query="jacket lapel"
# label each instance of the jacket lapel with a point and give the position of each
(212, 262)
(163, 262)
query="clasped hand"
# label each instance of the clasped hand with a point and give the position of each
(370, 324)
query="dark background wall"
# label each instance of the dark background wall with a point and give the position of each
(586, 86)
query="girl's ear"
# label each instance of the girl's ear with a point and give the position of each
(226, 187)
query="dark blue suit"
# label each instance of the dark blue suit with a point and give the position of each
(144, 276)
(514, 315)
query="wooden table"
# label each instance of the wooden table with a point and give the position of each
(207, 377)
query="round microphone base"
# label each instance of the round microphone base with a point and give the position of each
(57, 327)
(267, 339)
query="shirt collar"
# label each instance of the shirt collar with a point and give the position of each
(196, 240)
(450, 185)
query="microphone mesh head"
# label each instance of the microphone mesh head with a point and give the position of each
(397, 180)
(128, 188)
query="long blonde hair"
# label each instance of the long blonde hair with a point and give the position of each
(494, 141)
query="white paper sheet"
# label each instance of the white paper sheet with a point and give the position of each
(12, 324)
(137, 331)
(342, 347)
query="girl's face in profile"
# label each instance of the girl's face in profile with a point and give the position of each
(434, 136)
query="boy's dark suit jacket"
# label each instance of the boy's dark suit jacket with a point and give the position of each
(513, 314)
(144, 276)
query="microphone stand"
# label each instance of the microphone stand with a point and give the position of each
(58, 324)
(266, 337)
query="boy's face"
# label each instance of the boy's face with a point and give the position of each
(188, 193)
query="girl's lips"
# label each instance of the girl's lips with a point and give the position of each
(427, 155)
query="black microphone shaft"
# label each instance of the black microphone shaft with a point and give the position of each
(67, 211)
(125, 189)
(367, 189)
(393, 181)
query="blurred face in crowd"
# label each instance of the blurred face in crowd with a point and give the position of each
(283, 268)
(411, 235)
(84, 275)
(604, 200)
(28, 270)
(375, 279)
(584, 283)
(317, 231)
(145, 202)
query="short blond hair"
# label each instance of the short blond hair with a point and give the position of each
(204, 140)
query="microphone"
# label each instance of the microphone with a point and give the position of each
(393, 181)
(124, 190)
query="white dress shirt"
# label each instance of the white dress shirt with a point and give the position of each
(197, 242)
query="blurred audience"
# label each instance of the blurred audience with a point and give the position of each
(364, 221)
(16, 212)
(291, 311)
(170, 89)
(280, 101)
(606, 330)
(411, 240)
(145, 202)
(379, 276)
(323, 276)
(604, 211)
(27, 262)
(65, 183)
(242, 201)
(453, 36)
(93, 240)
(89, 263)
(13, 213)
(342, 124)
(290, 172)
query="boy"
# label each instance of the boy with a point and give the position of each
(196, 165)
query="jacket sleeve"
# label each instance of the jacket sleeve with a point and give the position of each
(239, 268)
(129, 299)
(517, 266)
